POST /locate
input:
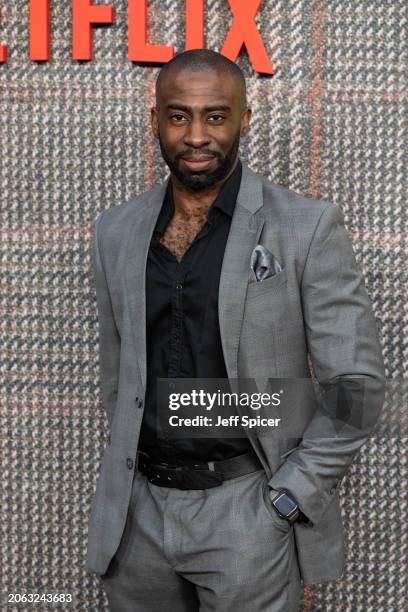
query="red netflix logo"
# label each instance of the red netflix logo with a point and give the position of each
(85, 15)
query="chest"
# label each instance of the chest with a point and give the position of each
(179, 234)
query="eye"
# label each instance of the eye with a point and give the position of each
(177, 118)
(216, 118)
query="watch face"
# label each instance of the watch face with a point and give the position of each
(284, 505)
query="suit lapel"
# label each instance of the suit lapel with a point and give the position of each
(137, 249)
(246, 227)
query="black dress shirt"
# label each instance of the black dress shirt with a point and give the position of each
(182, 328)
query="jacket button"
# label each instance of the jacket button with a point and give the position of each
(129, 463)
(136, 398)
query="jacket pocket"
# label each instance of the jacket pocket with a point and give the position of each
(259, 288)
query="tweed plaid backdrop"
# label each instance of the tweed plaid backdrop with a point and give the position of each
(75, 140)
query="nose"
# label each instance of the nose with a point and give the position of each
(196, 134)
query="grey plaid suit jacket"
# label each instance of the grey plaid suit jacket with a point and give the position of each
(315, 312)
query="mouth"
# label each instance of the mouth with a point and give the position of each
(197, 163)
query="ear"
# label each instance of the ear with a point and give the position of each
(154, 121)
(245, 120)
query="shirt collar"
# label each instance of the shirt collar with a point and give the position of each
(225, 200)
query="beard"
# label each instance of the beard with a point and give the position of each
(201, 180)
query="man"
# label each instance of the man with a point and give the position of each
(220, 274)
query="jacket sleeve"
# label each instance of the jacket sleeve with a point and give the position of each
(109, 338)
(344, 349)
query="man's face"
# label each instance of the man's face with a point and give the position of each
(199, 119)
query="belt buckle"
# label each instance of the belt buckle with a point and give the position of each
(156, 474)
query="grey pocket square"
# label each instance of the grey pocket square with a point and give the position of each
(263, 263)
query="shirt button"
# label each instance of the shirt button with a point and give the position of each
(129, 463)
(179, 286)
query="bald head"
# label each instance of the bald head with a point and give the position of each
(203, 60)
(200, 115)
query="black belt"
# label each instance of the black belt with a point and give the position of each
(196, 474)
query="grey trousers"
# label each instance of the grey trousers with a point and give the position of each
(222, 549)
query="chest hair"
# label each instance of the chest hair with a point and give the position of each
(179, 233)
